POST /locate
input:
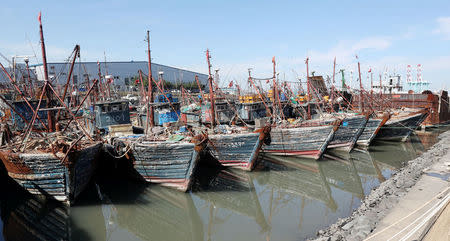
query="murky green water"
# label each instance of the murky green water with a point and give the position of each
(284, 199)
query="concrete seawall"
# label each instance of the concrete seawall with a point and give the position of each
(401, 204)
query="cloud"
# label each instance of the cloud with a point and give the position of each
(293, 67)
(376, 43)
(443, 27)
(346, 51)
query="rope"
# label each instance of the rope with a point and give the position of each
(398, 221)
(429, 214)
(128, 148)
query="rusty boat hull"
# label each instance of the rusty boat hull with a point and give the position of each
(238, 150)
(400, 128)
(302, 141)
(373, 126)
(170, 164)
(43, 173)
(348, 133)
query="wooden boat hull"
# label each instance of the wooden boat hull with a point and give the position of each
(348, 133)
(170, 164)
(400, 129)
(44, 173)
(308, 142)
(373, 126)
(238, 150)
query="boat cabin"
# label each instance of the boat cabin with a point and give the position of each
(248, 112)
(224, 112)
(22, 107)
(111, 113)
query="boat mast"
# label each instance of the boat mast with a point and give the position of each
(371, 85)
(100, 86)
(76, 52)
(211, 90)
(343, 86)
(381, 92)
(308, 84)
(332, 87)
(150, 120)
(199, 89)
(48, 92)
(361, 103)
(29, 78)
(274, 88)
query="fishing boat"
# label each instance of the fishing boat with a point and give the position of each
(53, 168)
(240, 149)
(168, 161)
(163, 155)
(351, 127)
(55, 162)
(307, 139)
(371, 129)
(401, 124)
(300, 137)
(231, 145)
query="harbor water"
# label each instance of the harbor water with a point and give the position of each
(284, 198)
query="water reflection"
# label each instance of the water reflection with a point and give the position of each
(285, 198)
(301, 177)
(145, 212)
(25, 217)
(34, 219)
(227, 194)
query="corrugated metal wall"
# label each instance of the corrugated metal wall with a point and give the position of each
(122, 71)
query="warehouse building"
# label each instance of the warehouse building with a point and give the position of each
(121, 73)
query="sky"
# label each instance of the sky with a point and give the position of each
(385, 35)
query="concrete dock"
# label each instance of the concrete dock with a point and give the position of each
(408, 219)
(411, 205)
